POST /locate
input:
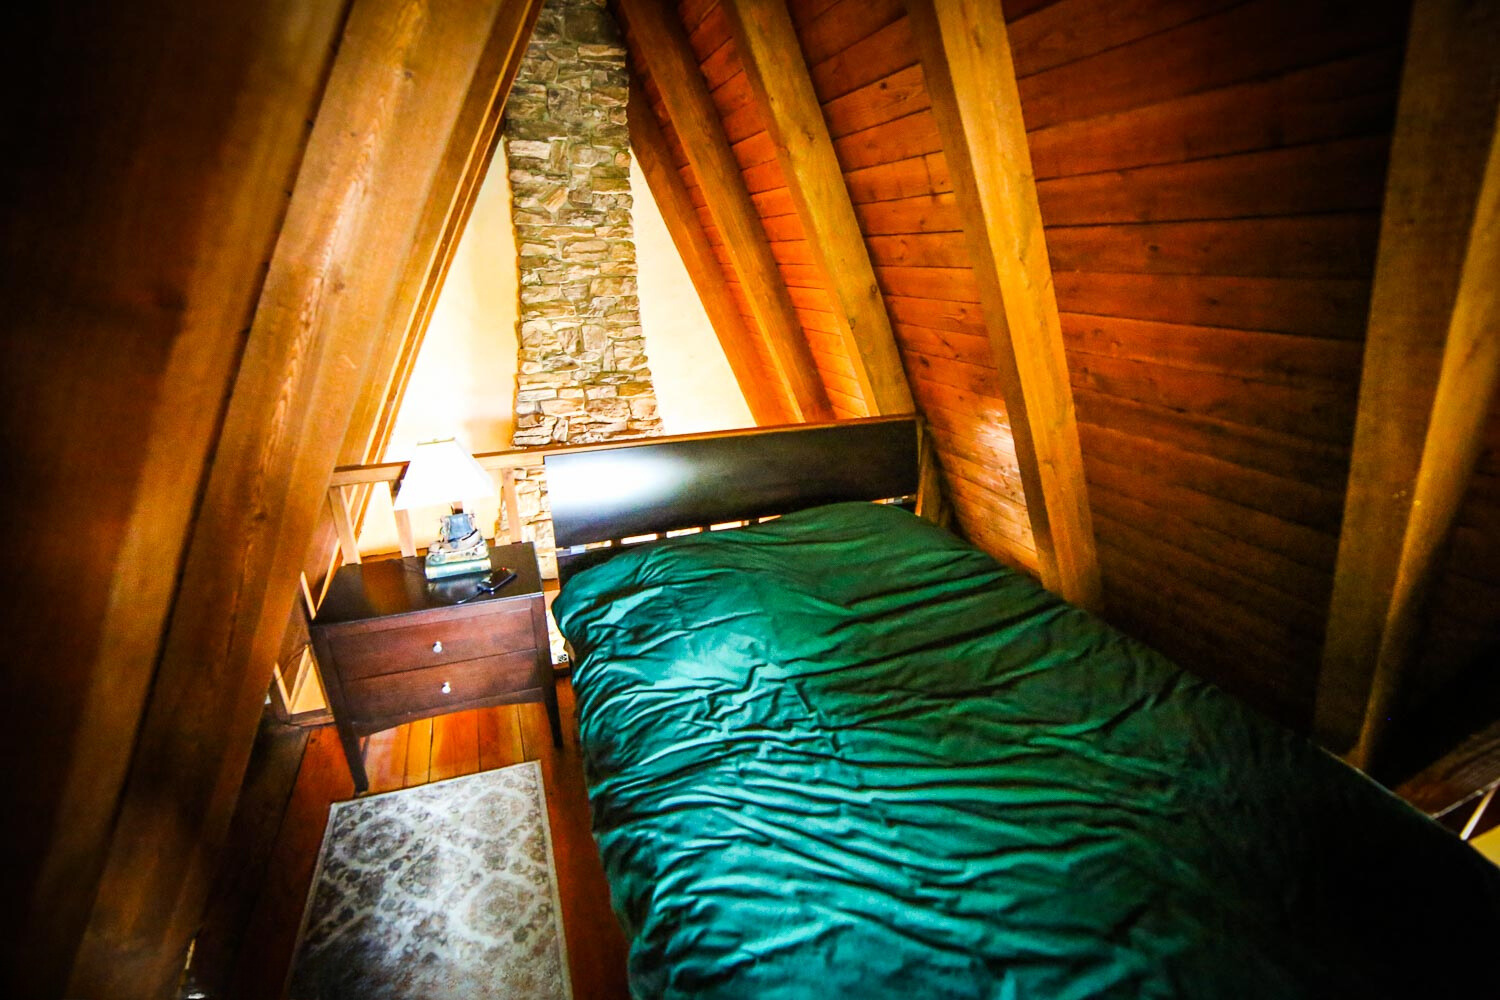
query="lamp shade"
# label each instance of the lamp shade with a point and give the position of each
(442, 472)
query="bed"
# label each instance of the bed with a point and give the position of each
(842, 751)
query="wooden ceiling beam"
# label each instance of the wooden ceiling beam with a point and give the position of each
(455, 189)
(767, 43)
(1461, 407)
(387, 117)
(669, 60)
(465, 165)
(736, 338)
(124, 328)
(1407, 437)
(971, 80)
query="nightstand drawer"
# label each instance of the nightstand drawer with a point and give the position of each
(373, 653)
(418, 693)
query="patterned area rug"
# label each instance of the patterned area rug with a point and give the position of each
(445, 890)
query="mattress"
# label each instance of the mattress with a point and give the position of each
(846, 752)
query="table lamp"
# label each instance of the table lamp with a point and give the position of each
(441, 472)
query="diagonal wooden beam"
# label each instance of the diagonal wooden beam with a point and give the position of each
(772, 55)
(1461, 407)
(387, 116)
(454, 192)
(971, 81)
(455, 189)
(149, 307)
(676, 205)
(664, 47)
(1443, 138)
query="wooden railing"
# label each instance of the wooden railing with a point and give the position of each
(344, 501)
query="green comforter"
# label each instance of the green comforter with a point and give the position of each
(843, 754)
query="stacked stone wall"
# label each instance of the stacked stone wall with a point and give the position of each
(582, 373)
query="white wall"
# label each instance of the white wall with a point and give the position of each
(695, 388)
(464, 382)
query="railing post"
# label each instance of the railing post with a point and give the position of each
(403, 523)
(338, 501)
(512, 510)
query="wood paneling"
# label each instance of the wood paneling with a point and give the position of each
(666, 55)
(767, 401)
(1352, 96)
(379, 139)
(1210, 182)
(764, 36)
(1212, 223)
(1246, 42)
(1340, 245)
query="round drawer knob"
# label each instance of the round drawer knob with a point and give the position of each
(437, 647)
(447, 688)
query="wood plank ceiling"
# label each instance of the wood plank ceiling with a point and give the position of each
(1210, 176)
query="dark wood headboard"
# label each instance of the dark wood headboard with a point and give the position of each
(662, 484)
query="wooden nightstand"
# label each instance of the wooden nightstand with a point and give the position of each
(393, 646)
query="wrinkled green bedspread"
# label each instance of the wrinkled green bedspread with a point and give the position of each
(844, 754)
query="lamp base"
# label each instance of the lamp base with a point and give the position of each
(443, 570)
(460, 550)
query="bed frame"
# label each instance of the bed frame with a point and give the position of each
(608, 497)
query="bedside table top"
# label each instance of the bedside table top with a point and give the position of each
(384, 587)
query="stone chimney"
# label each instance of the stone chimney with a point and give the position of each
(582, 373)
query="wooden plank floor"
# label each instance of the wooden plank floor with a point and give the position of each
(431, 750)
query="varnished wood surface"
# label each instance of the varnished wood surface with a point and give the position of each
(887, 147)
(766, 41)
(762, 388)
(393, 646)
(1209, 178)
(764, 179)
(1219, 480)
(449, 746)
(123, 327)
(972, 89)
(1444, 131)
(246, 871)
(669, 58)
(387, 115)
(444, 217)
(1462, 401)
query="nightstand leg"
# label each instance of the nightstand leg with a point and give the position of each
(355, 758)
(549, 698)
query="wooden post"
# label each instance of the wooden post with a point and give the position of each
(971, 80)
(672, 65)
(931, 504)
(403, 523)
(512, 505)
(650, 149)
(338, 502)
(388, 113)
(455, 189)
(1444, 127)
(768, 46)
(1462, 404)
